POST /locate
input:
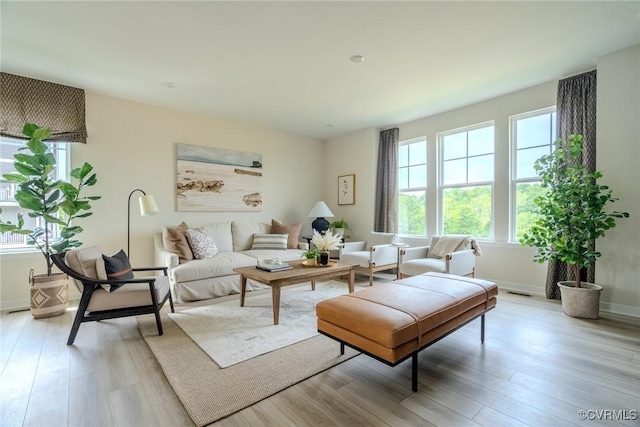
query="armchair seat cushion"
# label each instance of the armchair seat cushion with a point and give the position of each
(360, 258)
(129, 295)
(416, 267)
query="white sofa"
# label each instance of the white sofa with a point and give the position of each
(200, 279)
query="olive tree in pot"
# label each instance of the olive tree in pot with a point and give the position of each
(51, 201)
(572, 215)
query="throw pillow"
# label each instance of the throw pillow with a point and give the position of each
(270, 241)
(116, 267)
(175, 240)
(201, 243)
(292, 230)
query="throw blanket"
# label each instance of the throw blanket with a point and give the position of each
(455, 242)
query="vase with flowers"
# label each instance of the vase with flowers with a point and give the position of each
(324, 243)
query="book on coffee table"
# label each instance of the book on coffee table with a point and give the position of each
(266, 266)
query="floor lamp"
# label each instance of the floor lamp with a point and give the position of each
(148, 207)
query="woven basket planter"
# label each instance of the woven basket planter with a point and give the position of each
(49, 295)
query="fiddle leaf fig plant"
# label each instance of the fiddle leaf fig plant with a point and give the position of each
(52, 201)
(572, 211)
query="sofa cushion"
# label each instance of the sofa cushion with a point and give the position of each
(243, 232)
(269, 241)
(175, 240)
(220, 265)
(292, 230)
(201, 244)
(220, 232)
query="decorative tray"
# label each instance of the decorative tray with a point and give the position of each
(307, 263)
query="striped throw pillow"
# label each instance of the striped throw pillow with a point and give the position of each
(270, 241)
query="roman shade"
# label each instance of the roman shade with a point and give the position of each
(57, 107)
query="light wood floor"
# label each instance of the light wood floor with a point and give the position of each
(537, 367)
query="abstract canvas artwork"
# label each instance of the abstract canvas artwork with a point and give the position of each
(215, 179)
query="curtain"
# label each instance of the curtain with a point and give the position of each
(575, 114)
(386, 209)
(57, 107)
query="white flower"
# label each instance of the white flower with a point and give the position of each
(326, 242)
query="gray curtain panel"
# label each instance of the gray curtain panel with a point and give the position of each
(57, 107)
(386, 209)
(576, 114)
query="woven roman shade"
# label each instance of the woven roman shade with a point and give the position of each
(57, 107)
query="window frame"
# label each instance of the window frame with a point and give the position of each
(62, 153)
(513, 160)
(440, 173)
(425, 164)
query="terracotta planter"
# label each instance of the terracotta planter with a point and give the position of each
(582, 302)
(49, 295)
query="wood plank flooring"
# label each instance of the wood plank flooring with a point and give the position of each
(537, 367)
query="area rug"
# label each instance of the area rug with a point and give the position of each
(230, 334)
(209, 393)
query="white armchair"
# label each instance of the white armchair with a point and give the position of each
(451, 254)
(376, 254)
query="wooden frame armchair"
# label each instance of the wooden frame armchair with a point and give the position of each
(423, 259)
(376, 254)
(133, 297)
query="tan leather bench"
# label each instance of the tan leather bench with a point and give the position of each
(394, 321)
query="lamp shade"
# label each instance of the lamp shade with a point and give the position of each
(320, 210)
(148, 205)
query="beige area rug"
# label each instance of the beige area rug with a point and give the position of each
(209, 392)
(230, 334)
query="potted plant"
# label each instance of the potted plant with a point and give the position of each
(311, 255)
(50, 201)
(572, 216)
(339, 227)
(325, 243)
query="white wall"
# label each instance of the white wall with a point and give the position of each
(355, 153)
(618, 156)
(132, 145)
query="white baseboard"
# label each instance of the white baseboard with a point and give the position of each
(624, 310)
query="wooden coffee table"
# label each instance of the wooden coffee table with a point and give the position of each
(299, 274)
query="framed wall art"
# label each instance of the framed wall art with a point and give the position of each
(214, 179)
(347, 189)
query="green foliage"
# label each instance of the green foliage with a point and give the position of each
(572, 210)
(411, 214)
(468, 211)
(56, 202)
(340, 223)
(310, 253)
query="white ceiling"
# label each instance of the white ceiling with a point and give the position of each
(285, 65)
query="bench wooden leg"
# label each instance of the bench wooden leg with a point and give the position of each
(341, 348)
(482, 328)
(414, 372)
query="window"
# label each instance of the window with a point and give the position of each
(466, 180)
(10, 208)
(532, 136)
(412, 187)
